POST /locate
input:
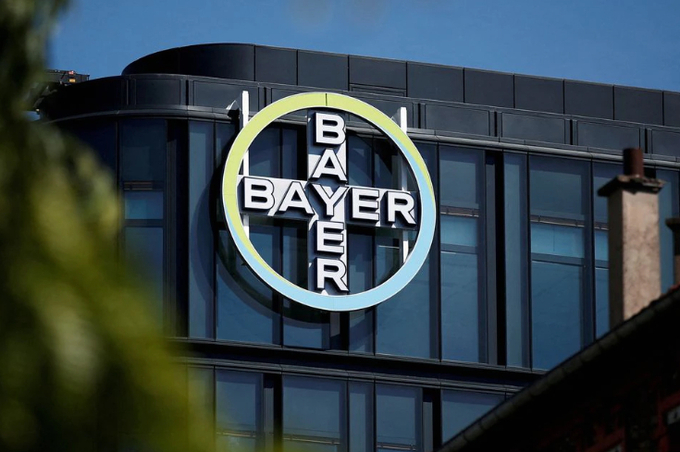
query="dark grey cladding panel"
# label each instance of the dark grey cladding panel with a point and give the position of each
(607, 136)
(221, 95)
(588, 99)
(457, 119)
(427, 81)
(539, 94)
(373, 72)
(671, 109)
(489, 88)
(157, 91)
(390, 107)
(638, 105)
(666, 142)
(278, 94)
(234, 61)
(535, 128)
(322, 70)
(276, 65)
(104, 94)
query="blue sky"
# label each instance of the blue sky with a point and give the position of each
(623, 42)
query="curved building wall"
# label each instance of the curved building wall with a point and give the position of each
(515, 282)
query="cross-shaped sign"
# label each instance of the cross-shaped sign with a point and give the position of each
(327, 202)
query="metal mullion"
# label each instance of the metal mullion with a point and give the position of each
(528, 346)
(588, 308)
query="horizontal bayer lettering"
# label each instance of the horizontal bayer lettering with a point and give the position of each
(293, 199)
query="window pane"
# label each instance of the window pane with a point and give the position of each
(144, 251)
(557, 187)
(302, 325)
(557, 292)
(359, 164)
(100, 135)
(313, 414)
(360, 262)
(264, 153)
(516, 234)
(462, 321)
(556, 240)
(463, 313)
(238, 420)
(601, 301)
(403, 325)
(293, 158)
(201, 244)
(462, 408)
(143, 205)
(143, 146)
(386, 164)
(360, 417)
(201, 399)
(244, 304)
(459, 176)
(458, 230)
(602, 174)
(398, 418)
(668, 207)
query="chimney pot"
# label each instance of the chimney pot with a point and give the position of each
(632, 162)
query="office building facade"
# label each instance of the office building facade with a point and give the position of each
(515, 280)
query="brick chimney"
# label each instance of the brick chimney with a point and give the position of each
(634, 263)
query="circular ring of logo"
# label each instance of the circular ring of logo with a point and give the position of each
(339, 102)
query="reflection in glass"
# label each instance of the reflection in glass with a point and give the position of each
(144, 251)
(143, 205)
(462, 408)
(398, 423)
(463, 308)
(143, 144)
(516, 271)
(668, 207)
(238, 406)
(360, 417)
(559, 202)
(244, 304)
(313, 414)
(557, 292)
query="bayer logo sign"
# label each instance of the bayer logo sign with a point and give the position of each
(328, 203)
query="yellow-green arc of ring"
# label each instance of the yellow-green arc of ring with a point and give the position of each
(427, 219)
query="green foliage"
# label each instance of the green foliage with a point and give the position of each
(82, 365)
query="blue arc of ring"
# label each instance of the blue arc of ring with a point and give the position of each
(349, 302)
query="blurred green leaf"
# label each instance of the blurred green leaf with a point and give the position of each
(83, 365)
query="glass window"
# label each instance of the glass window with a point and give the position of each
(516, 271)
(463, 304)
(360, 417)
(201, 243)
(558, 219)
(144, 251)
(302, 325)
(668, 207)
(398, 424)
(360, 278)
(238, 409)
(359, 164)
(403, 325)
(143, 147)
(100, 135)
(314, 414)
(244, 304)
(264, 154)
(462, 408)
(602, 174)
(143, 205)
(201, 399)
